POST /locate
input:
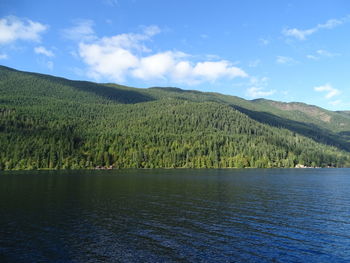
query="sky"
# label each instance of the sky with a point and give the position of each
(273, 49)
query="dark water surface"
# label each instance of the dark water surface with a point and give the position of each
(251, 215)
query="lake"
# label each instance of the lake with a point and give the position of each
(180, 215)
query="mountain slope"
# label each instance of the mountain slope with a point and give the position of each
(51, 122)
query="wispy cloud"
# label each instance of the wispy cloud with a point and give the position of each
(81, 31)
(13, 28)
(336, 102)
(285, 60)
(339, 103)
(302, 34)
(255, 92)
(258, 88)
(45, 63)
(330, 91)
(127, 56)
(325, 53)
(49, 65)
(264, 41)
(3, 56)
(254, 63)
(43, 51)
(111, 2)
(321, 53)
(313, 57)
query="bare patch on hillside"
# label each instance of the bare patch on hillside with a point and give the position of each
(307, 109)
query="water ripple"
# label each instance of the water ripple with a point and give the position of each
(176, 216)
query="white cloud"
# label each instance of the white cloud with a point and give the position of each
(81, 31)
(330, 91)
(285, 60)
(126, 55)
(258, 88)
(212, 70)
(256, 92)
(13, 28)
(331, 23)
(3, 56)
(43, 51)
(108, 61)
(301, 34)
(115, 57)
(155, 66)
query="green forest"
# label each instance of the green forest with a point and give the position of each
(48, 122)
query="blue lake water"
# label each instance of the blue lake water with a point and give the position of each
(228, 215)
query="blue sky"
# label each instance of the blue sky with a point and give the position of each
(280, 50)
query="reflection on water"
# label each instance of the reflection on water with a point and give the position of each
(251, 215)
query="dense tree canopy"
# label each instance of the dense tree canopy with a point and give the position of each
(54, 123)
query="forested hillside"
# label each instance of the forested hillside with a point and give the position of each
(55, 123)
